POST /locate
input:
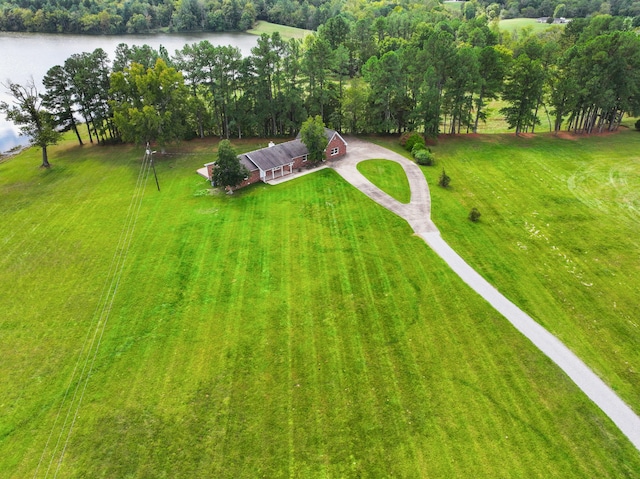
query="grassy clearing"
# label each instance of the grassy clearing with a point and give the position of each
(289, 331)
(285, 31)
(388, 176)
(519, 24)
(557, 235)
(453, 6)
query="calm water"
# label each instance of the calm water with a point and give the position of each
(26, 55)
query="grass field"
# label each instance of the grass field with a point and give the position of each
(453, 6)
(513, 24)
(558, 233)
(289, 331)
(495, 122)
(285, 31)
(388, 176)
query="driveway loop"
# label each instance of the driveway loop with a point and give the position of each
(418, 214)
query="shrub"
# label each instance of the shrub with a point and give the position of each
(638, 125)
(418, 147)
(423, 157)
(474, 215)
(444, 179)
(414, 139)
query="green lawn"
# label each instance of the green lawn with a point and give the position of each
(285, 31)
(389, 176)
(558, 235)
(289, 331)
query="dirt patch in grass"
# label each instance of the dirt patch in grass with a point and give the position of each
(568, 135)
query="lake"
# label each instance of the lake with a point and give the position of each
(26, 55)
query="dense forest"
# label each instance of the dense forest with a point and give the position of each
(141, 16)
(359, 77)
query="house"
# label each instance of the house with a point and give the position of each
(280, 160)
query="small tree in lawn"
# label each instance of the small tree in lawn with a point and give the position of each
(228, 172)
(474, 215)
(312, 135)
(444, 179)
(32, 119)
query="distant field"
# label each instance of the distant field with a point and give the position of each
(495, 122)
(285, 31)
(454, 6)
(289, 331)
(513, 24)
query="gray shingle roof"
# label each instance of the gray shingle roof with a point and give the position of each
(328, 132)
(247, 163)
(278, 155)
(275, 156)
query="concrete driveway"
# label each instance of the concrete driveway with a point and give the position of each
(418, 214)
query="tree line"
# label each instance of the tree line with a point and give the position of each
(561, 8)
(433, 78)
(141, 16)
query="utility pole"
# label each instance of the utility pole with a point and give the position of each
(150, 153)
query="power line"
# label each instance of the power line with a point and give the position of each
(98, 324)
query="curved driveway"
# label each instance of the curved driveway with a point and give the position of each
(418, 214)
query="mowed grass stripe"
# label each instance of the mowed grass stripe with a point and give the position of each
(309, 400)
(355, 386)
(362, 387)
(391, 331)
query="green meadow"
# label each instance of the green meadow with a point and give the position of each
(512, 25)
(300, 330)
(453, 5)
(285, 32)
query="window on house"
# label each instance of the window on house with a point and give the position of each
(305, 158)
(334, 151)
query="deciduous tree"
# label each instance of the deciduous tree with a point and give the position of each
(228, 171)
(150, 105)
(312, 134)
(29, 115)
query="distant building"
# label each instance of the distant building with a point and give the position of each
(280, 160)
(556, 21)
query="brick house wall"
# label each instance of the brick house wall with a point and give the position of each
(209, 170)
(254, 177)
(299, 162)
(335, 143)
